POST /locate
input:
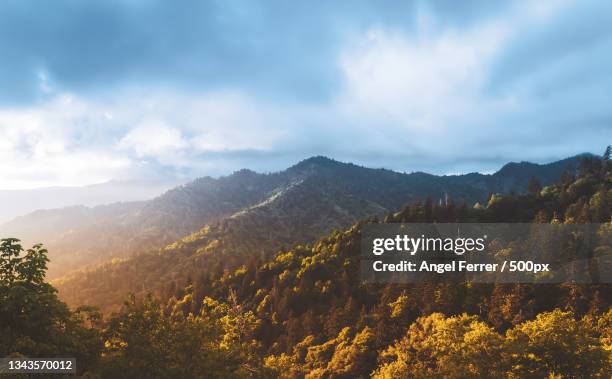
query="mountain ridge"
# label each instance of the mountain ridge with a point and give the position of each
(312, 197)
(233, 248)
(18, 203)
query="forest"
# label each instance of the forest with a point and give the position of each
(305, 313)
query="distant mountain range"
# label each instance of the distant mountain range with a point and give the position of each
(20, 202)
(297, 205)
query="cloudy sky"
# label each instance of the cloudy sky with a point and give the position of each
(100, 90)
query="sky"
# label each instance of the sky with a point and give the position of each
(133, 89)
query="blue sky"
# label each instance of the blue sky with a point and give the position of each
(100, 90)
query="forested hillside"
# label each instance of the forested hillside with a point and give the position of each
(305, 312)
(316, 290)
(80, 235)
(300, 204)
(308, 201)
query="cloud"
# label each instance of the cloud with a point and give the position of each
(428, 91)
(153, 138)
(280, 50)
(55, 143)
(410, 79)
(129, 89)
(69, 140)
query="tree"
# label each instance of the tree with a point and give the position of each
(428, 210)
(555, 344)
(605, 164)
(355, 358)
(440, 347)
(34, 322)
(533, 186)
(606, 154)
(141, 341)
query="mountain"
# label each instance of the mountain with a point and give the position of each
(310, 199)
(306, 312)
(297, 205)
(20, 202)
(80, 235)
(516, 175)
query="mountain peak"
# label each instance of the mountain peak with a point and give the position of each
(557, 167)
(317, 160)
(244, 173)
(317, 163)
(514, 167)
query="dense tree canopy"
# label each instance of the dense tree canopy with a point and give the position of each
(305, 313)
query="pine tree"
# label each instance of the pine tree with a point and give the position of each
(533, 186)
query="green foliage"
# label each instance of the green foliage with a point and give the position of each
(439, 347)
(349, 355)
(223, 307)
(556, 344)
(34, 322)
(141, 341)
(552, 345)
